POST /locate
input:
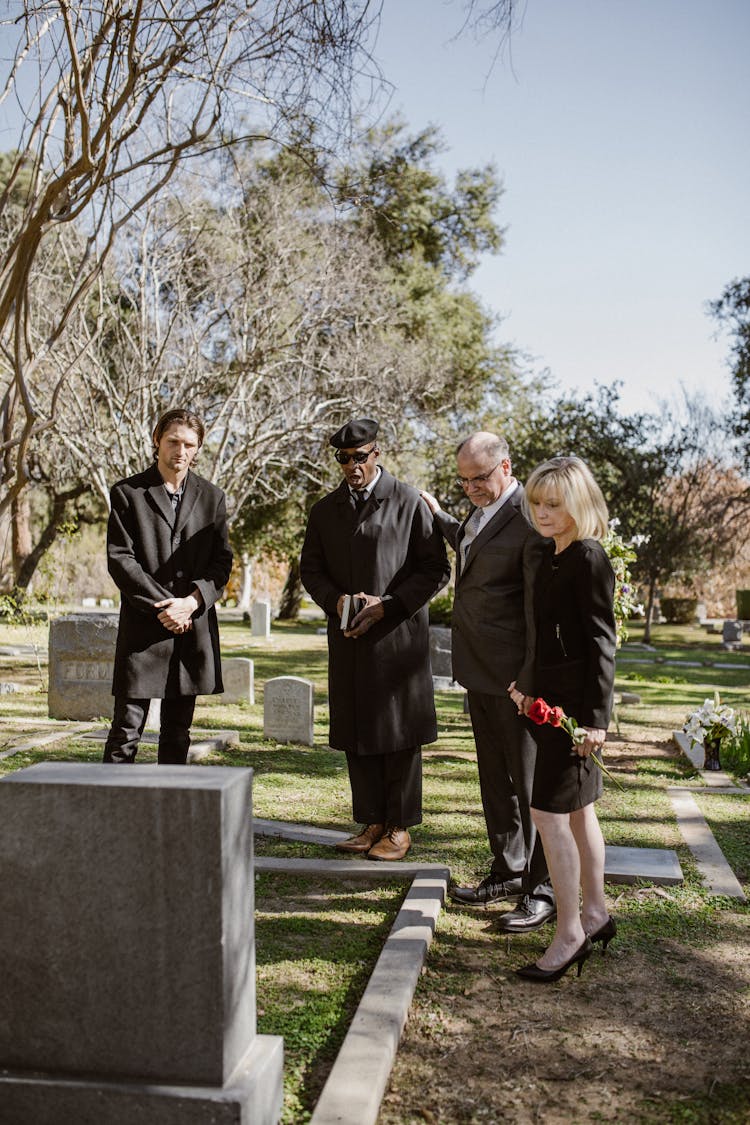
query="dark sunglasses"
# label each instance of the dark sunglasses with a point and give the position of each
(358, 458)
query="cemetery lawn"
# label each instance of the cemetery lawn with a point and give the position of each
(655, 1031)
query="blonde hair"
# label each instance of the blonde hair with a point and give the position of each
(570, 480)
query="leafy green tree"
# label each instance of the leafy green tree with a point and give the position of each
(732, 311)
(396, 192)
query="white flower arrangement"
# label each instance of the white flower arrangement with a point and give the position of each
(713, 721)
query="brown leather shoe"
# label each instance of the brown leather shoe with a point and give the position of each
(362, 843)
(394, 845)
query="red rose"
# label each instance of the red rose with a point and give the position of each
(556, 716)
(539, 712)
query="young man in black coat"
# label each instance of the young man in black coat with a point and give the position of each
(374, 537)
(168, 552)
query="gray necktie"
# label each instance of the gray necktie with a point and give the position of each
(471, 531)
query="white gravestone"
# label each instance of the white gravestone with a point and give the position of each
(238, 675)
(288, 710)
(440, 651)
(261, 619)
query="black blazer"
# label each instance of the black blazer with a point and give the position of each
(575, 632)
(493, 616)
(152, 557)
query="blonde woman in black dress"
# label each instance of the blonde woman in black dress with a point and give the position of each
(574, 670)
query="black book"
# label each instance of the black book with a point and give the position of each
(352, 605)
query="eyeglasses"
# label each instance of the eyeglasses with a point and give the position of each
(358, 458)
(464, 482)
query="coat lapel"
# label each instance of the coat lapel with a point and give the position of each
(189, 498)
(158, 494)
(491, 528)
(379, 495)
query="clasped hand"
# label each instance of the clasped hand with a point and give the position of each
(176, 613)
(371, 612)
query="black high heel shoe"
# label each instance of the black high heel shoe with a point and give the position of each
(547, 976)
(605, 933)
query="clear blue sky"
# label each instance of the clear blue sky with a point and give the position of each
(620, 129)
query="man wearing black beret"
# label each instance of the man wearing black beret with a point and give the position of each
(373, 537)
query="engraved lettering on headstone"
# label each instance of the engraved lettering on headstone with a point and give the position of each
(288, 710)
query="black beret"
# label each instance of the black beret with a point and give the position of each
(360, 431)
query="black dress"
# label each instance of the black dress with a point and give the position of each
(574, 668)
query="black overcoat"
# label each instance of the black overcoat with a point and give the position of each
(380, 684)
(152, 557)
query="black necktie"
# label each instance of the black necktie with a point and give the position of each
(360, 502)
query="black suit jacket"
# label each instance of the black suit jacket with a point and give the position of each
(151, 556)
(493, 613)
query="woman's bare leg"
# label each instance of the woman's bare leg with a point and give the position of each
(564, 866)
(585, 828)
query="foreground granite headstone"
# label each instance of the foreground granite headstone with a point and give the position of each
(127, 945)
(288, 710)
(81, 658)
(260, 619)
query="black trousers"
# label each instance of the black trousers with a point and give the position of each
(387, 788)
(506, 756)
(129, 720)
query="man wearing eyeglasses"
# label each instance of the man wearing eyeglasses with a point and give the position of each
(497, 556)
(374, 538)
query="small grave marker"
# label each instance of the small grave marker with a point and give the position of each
(288, 710)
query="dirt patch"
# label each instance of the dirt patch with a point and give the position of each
(656, 1030)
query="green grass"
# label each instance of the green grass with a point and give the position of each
(316, 943)
(317, 940)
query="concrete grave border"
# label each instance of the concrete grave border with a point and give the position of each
(622, 865)
(359, 1076)
(714, 869)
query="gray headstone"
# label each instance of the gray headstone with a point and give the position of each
(261, 619)
(128, 946)
(700, 612)
(440, 651)
(81, 658)
(288, 710)
(731, 632)
(237, 673)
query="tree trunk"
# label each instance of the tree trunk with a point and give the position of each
(20, 521)
(26, 571)
(291, 595)
(649, 610)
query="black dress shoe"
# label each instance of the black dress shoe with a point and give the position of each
(528, 914)
(489, 891)
(546, 976)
